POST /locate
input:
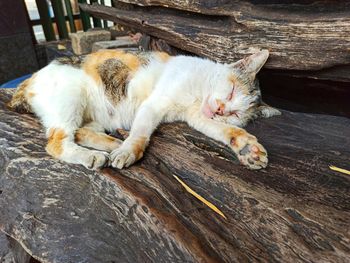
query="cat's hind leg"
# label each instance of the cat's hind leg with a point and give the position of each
(93, 136)
(59, 97)
(61, 145)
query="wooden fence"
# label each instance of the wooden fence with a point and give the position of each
(64, 17)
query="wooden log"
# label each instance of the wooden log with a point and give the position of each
(208, 7)
(290, 9)
(296, 210)
(298, 40)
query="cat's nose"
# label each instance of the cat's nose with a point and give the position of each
(220, 110)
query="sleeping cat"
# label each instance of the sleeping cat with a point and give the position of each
(112, 89)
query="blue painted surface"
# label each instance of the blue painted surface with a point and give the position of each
(15, 82)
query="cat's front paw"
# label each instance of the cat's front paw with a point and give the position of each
(128, 153)
(122, 157)
(249, 152)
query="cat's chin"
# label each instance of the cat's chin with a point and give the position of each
(206, 110)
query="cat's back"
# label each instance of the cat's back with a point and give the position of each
(188, 68)
(54, 79)
(133, 61)
(185, 75)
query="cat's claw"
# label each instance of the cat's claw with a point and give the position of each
(122, 157)
(251, 153)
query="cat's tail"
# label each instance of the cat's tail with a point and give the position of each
(19, 101)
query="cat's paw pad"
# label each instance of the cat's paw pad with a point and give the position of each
(122, 157)
(252, 154)
(96, 160)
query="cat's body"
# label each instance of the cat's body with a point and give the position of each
(113, 89)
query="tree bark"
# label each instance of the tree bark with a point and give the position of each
(296, 210)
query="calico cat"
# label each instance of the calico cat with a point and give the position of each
(110, 89)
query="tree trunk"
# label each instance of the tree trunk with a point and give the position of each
(296, 210)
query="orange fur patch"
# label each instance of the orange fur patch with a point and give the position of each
(220, 105)
(163, 56)
(139, 147)
(231, 135)
(232, 78)
(54, 145)
(131, 60)
(30, 81)
(22, 96)
(30, 95)
(87, 136)
(93, 60)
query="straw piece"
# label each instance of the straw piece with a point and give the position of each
(203, 200)
(334, 168)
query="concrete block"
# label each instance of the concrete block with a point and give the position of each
(119, 42)
(82, 42)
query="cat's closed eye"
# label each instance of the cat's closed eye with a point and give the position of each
(230, 96)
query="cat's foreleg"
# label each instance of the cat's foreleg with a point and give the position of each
(93, 135)
(249, 152)
(147, 118)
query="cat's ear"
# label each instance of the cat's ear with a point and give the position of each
(253, 63)
(267, 111)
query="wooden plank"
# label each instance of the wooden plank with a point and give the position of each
(45, 20)
(105, 22)
(303, 43)
(70, 16)
(96, 21)
(85, 18)
(57, 8)
(36, 22)
(296, 210)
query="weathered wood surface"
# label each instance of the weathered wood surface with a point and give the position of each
(291, 8)
(299, 36)
(12, 252)
(6, 255)
(296, 210)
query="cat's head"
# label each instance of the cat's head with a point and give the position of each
(235, 95)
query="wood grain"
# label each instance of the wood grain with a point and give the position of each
(296, 210)
(301, 37)
(291, 8)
